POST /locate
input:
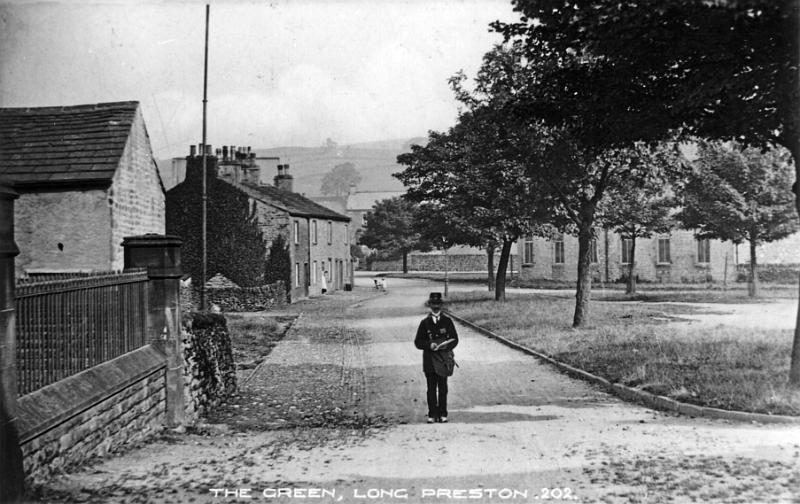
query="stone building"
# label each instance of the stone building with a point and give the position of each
(316, 237)
(86, 178)
(676, 257)
(355, 204)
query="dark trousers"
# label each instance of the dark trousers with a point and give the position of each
(437, 395)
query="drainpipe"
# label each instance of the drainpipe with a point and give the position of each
(606, 258)
(310, 264)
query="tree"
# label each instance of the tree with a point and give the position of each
(337, 182)
(480, 191)
(390, 228)
(637, 212)
(723, 70)
(568, 162)
(740, 194)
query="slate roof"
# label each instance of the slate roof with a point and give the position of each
(293, 203)
(64, 145)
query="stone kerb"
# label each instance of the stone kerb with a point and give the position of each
(631, 394)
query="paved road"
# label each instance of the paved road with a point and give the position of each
(520, 431)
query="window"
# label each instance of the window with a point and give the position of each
(558, 250)
(296, 232)
(346, 234)
(593, 252)
(663, 251)
(314, 272)
(703, 250)
(297, 274)
(330, 232)
(527, 250)
(314, 232)
(627, 250)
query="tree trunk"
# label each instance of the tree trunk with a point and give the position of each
(405, 261)
(631, 289)
(792, 136)
(752, 279)
(583, 292)
(500, 283)
(794, 148)
(490, 266)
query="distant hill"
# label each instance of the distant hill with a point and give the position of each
(375, 162)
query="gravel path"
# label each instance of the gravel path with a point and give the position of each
(335, 414)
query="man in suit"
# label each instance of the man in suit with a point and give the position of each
(436, 337)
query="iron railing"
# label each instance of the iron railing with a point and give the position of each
(67, 325)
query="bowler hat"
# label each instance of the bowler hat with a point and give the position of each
(435, 299)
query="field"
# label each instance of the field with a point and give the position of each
(647, 345)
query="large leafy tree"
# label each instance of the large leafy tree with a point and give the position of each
(470, 173)
(566, 162)
(337, 182)
(740, 194)
(390, 228)
(725, 69)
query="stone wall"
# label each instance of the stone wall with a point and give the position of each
(113, 405)
(771, 273)
(432, 262)
(136, 195)
(92, 413)
(63, 229)
(209, 370)
(243, 299)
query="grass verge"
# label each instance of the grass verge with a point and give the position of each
(639, 346)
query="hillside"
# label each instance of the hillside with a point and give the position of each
(309, 165)
(375, 161)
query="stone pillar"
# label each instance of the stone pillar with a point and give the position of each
(12, 476)
(161, 255)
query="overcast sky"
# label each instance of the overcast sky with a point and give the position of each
(280, 73)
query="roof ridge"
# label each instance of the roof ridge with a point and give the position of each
(73, 108)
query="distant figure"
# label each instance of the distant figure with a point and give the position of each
(436, 337)
(324, 282)
(383, 284)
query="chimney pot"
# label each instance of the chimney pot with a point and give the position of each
(224, 152)
(192, 150)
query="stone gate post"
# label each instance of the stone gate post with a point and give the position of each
(12, 477)
(161, 255)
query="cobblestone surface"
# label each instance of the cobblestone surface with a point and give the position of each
(314, 378)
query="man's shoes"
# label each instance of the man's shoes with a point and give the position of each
(443, 419)
(430, 420)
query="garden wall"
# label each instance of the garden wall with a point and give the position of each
(240, 299)
(89, 414)
(122, 401)
(209, 370)
(770, 273)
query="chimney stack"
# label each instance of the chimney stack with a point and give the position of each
(192, 150)
(283, 180)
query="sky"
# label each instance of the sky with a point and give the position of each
(281, 73)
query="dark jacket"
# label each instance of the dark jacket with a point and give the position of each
(429, 332)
